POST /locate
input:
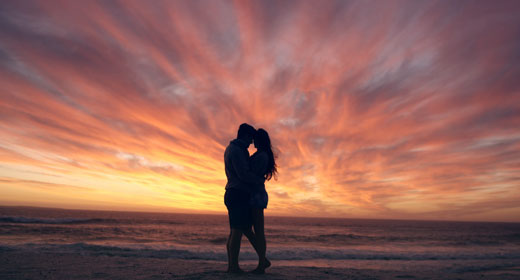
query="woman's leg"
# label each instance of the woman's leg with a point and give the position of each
(258, 224)
(258, 245)
(252, 239)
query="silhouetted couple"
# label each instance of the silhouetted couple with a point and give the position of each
(246, 196)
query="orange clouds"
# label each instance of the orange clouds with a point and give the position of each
(395, 110)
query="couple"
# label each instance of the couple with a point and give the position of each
(245, 196)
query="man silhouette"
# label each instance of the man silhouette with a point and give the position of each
(240, 180)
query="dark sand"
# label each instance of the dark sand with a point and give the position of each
(49, 265)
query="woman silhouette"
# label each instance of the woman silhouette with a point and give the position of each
(262, 163)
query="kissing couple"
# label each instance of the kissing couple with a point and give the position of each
(246, 197)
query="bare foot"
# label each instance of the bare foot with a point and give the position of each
(260, 269)
(267, 263)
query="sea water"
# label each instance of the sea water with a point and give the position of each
(387, 244)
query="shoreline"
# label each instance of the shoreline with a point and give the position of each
(26, 264)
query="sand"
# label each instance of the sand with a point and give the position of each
(20, 264)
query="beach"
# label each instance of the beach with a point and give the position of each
(40, 243)
(41, 265)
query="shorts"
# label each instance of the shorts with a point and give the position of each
(259, 199)
(239, 211)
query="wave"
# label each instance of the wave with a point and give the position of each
(218, 240)
(24, 220)
(342, 236)
(349, 239)
(275, 253)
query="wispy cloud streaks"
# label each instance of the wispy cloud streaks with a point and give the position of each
(393, 109)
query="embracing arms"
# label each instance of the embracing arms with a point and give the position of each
(241, 166)
(259, 163)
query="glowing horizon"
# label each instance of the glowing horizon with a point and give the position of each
(394, 109)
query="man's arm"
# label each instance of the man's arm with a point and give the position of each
(241, 166)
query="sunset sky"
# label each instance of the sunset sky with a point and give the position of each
(377, 109)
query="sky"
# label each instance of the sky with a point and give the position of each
(375, 109)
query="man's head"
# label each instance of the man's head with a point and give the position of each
(246, 133)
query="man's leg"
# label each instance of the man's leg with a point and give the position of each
(234, 249)
(228, 255)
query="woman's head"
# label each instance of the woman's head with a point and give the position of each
(263, 143)
(261, 140)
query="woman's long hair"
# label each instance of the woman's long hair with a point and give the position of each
(263, 143)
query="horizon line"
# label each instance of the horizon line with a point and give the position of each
(274, 215)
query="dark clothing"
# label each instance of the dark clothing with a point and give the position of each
(259, 199)
(240, 181)
(258, 163)
(238, 173)
(239, 211)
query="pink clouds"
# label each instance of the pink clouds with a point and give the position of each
(401, 109)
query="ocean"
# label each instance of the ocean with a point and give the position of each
(321, 242)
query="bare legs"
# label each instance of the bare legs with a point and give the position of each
(258, 224)
(233, 249)
(257, 240)
(252, 238)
